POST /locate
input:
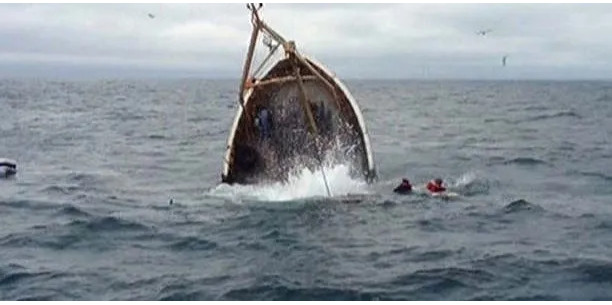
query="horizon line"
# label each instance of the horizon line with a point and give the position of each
(175, 78)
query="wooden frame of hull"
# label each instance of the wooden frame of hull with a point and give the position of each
(368, 168)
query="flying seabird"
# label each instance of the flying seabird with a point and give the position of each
(504, 60)
(483, 32)
(151, 16)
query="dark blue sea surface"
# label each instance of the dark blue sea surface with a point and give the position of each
(88, 216)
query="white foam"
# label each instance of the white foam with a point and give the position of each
(305, 184)
(465, 179)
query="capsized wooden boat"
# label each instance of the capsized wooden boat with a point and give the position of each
(295, 114)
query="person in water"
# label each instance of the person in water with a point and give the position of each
(435, 186)
(404, 188)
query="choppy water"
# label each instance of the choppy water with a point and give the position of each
(88, 215)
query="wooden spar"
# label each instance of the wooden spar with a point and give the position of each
(270, 31)
(264, 27)
(304, 100)
(287, 48)
(317, 74)
(247, 62)
(290, 48)
(246, 159)
(306, 106)
(277, 80)
(301, 59)
(247, 66)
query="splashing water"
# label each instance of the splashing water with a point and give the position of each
(465, 179)
(471, 183)
(305, 184)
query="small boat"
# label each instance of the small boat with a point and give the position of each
(8, 167)
(293, 114)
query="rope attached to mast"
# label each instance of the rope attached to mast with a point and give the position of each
(310, 118)
(295, 58)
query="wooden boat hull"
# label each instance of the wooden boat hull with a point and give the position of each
(341, 136)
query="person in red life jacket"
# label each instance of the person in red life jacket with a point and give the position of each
(435, 186)
(404, 188)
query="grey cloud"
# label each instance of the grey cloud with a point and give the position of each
(356, 40)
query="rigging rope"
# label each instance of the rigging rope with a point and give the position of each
(309, 117)
(318, 156)
(289, 47)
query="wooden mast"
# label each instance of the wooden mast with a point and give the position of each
(294, 57)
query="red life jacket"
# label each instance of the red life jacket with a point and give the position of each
(435, 188)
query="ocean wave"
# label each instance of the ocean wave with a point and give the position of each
(192, 243)
(10, 268)
(14, 277)
(604, 98)
(27, 204)
(535, 297)
(521, 205)
(14, 273)
(156, 137)
(587, 216)
(604, 225)
(72, 234)
(597, 175)
(178, 289)
(559, 114)
(535, 108)
(82, 178)
(432, 255)
(439, 283)
(388, 203)
(72, 211)
(431, 225)
(200, 119)
(526, 161)
(595, 271)
(57, 189)
(86, 180)
(40, 238)
(41, 296)
(460, 276)
(283, 292)
(585, 270)
(107, 223)
(493, 120)
(183, 296)
(535, 118)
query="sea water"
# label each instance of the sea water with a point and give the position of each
(118, 196)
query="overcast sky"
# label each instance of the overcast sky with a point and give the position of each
(542, 41)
